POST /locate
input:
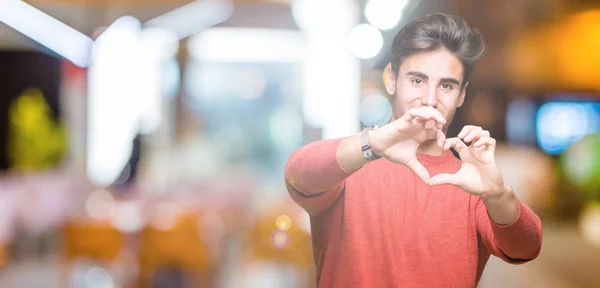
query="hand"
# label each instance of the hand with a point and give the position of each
(398, 141)
(479, 174)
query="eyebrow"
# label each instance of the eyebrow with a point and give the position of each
(424, 76)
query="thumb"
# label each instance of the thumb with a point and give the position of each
(418, 168)
(443, 178)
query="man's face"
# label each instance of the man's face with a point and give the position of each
(427, 79)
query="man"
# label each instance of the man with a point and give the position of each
(418, 216)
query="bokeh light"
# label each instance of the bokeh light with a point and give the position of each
(283, 222)
(165, 216)
(581, 165)
(589, 223)
(375, 109)
(280, 239)
(100, 204)
(563, 123)
(127, 217)
(365, 41)
(384, 14)
(88, 274)
(321, 18)
(98, 278)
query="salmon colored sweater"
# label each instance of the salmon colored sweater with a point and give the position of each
(381, 226)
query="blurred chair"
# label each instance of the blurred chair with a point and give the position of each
(94, 241)
(280, 246)
(175, 256)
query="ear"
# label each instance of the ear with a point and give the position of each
(463, 92)
(389, 79)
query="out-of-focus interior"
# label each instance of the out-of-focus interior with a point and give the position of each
(143, 143)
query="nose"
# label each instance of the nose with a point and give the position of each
(430, 98)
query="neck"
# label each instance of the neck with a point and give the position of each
(430, 147)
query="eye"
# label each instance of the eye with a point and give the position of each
(447, 86)
(417, 81)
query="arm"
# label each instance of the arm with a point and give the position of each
(349, 153)
(508, 228)
(314, 176)
(517, 241)
(323, 165)
(503, 206)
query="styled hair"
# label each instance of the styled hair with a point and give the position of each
(436, 31)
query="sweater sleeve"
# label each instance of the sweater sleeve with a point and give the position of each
(515, 243)
(313, 176)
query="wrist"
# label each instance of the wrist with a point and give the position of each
(501, 194)
(503, 206)
(366, 141)
(373, 133)
(349, 154)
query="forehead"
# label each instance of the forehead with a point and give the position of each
(436, 64)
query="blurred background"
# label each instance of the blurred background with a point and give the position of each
(143, 143)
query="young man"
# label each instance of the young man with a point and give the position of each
(418, 216)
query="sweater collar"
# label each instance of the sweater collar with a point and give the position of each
(439, 159)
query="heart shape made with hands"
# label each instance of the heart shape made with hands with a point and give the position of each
(399, 141)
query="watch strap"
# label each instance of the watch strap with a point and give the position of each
(368, 152)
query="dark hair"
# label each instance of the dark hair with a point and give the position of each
(436, 31)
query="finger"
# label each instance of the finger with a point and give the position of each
(455, 143)
(426, 114)
(437, 115)
(418, 168)
(443, 178)
(475, 135)
(430, 124)
(465, 130)
(441, 138)
(485, 141)
(449, 143)
(416, 113)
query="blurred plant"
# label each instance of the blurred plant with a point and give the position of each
(35, 140)
(581, 166)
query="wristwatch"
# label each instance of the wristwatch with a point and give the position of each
(368, 153)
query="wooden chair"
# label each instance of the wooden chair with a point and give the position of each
(177, 248)
(95, 241)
